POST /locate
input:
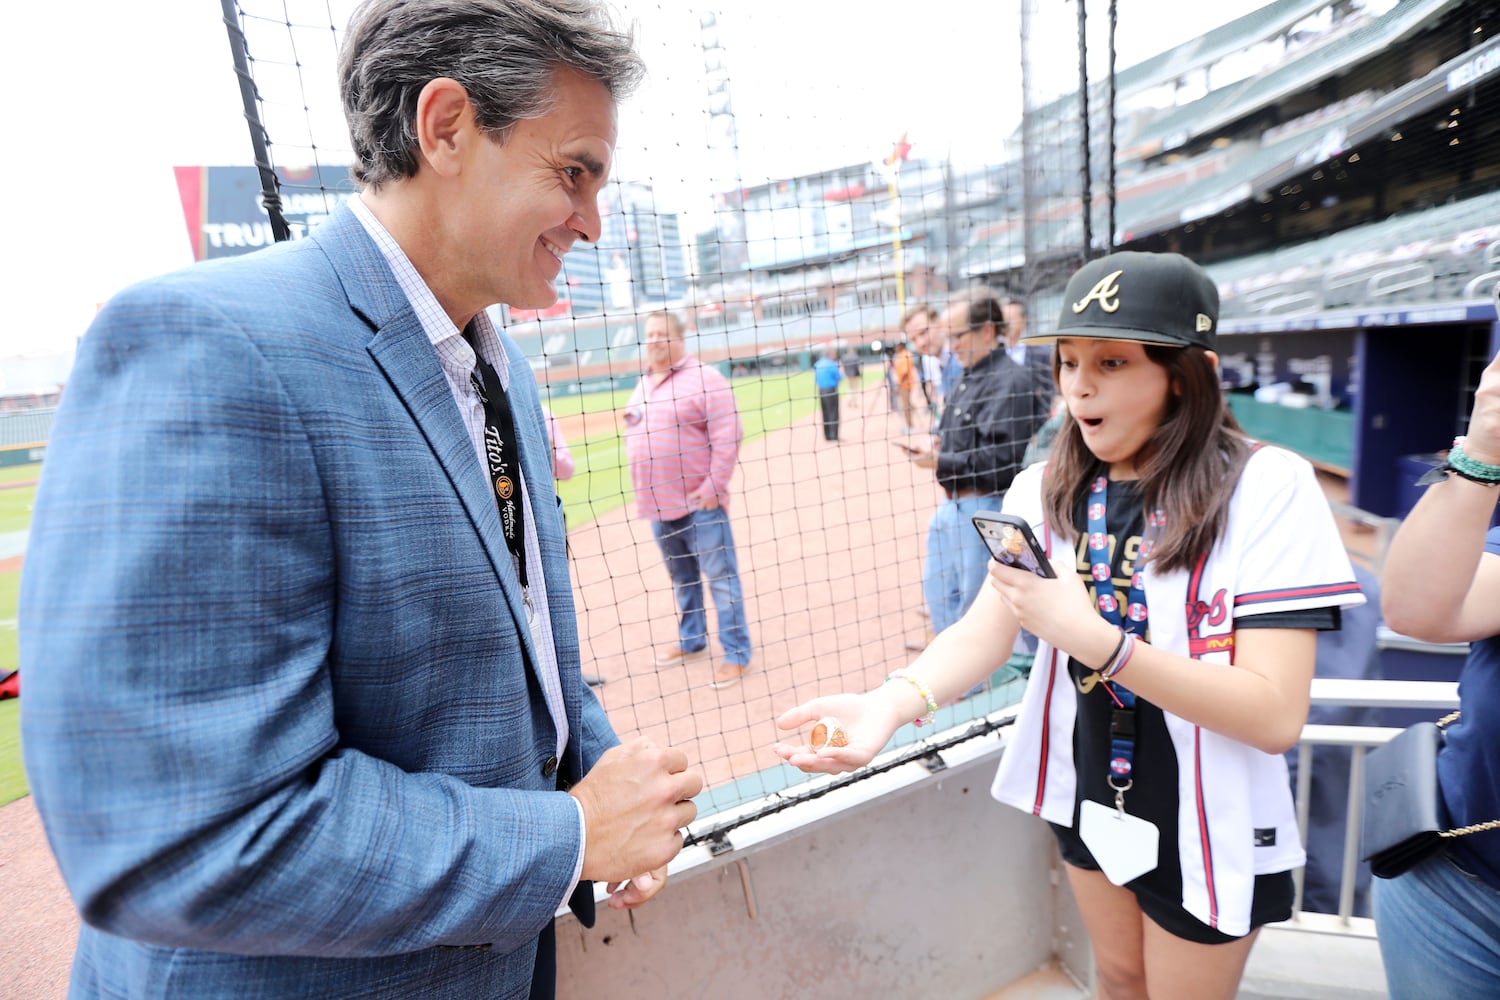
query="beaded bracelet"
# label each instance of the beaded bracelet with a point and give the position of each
(923, 690)
(1122, 658)
(1472, 469)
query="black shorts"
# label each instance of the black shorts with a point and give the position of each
(1271, 902)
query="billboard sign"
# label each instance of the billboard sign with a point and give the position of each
(224, 214)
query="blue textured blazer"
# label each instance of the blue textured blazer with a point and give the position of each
(281, 719)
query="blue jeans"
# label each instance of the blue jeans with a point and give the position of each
(1439, 931)
(957, 560)
(700, 546)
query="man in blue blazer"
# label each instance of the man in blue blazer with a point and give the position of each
(304, 715)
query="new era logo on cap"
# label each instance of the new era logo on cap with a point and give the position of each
(1151, 298)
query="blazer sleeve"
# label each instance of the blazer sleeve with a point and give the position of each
(181, 734)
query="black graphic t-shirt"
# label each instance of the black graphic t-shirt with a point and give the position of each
(1153, 795)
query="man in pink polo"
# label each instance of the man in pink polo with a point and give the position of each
(682, 435)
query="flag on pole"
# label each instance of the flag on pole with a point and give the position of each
(900, 153)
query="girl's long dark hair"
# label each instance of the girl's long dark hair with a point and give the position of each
(1188, 468)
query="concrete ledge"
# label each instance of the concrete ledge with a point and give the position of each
(1315, 957)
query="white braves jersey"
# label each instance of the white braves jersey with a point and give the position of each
(1281, 551)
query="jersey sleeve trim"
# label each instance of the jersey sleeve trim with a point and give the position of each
(1345, 589)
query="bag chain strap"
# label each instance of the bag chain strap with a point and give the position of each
(1464, 831)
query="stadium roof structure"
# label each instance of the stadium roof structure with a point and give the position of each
(1262, 23)
(1304, 70)
(1259, 25)
(1158, 196)
(1277, 162)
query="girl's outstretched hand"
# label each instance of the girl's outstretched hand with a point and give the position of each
(867, 722)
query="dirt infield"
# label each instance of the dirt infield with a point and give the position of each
(830, 541)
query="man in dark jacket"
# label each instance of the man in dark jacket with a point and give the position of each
(988, 419)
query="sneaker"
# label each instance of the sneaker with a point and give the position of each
(677, 655)
(728, 674)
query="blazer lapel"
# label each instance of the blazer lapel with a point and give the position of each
(404, 355)
(402, 352)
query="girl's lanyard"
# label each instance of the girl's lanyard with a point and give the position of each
(1124, 846)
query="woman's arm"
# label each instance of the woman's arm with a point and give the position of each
(1261, 700)
(1437, 583)
(958, 658)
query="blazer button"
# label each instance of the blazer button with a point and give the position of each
(550, 767)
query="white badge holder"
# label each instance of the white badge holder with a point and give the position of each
(1125, 846)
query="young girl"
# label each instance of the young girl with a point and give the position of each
(1194, 570)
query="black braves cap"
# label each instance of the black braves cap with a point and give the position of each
(1150, 298)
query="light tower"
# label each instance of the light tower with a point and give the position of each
(724, 150)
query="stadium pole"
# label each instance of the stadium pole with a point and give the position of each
(270, 187)
(1085, 169)
(1109, 241)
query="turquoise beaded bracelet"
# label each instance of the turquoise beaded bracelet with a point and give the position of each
(1472, 468)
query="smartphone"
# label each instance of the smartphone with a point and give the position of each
(1010, 540)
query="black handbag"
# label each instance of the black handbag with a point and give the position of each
(1402, 822)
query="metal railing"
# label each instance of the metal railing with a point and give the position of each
(1437, 696)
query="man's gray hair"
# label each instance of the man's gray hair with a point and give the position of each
(503, 52)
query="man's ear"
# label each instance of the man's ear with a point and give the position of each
(445, 119)
(1213, 359)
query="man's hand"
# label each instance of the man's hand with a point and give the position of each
(628, 895)
(705, 496)
(635, 801)
(922, 458)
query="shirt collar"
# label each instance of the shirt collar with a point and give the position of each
(434, 319)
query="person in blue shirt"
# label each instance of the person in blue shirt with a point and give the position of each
(1439, 922)
(827, 375)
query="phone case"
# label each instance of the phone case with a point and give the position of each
(1010, 540)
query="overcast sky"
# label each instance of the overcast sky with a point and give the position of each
(105, 97)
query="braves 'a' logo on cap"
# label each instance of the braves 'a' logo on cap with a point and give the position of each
(1105, 292)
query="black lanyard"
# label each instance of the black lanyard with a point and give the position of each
(503, 453)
